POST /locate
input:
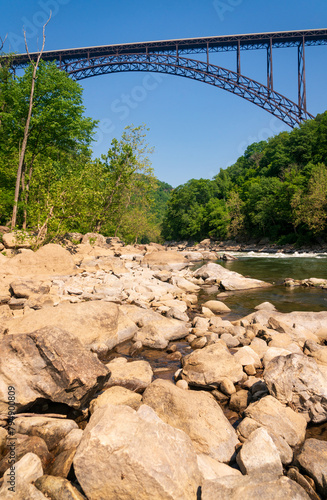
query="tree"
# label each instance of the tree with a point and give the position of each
(124, 177)
(310, 204)
(27, 124)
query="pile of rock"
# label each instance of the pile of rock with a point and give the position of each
(113, 430)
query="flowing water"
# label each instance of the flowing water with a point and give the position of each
(274, 269)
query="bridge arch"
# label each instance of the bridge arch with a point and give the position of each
(257, 93)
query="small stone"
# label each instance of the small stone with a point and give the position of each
(182, 384)
(250, 370)
(135, 348)
(230, 340)
(216, 306)
(221, 397)
(239, 401)
(175, 356)
(199, 343)
(190, 338)
(227, 387)
(57, 488)
(172, 348)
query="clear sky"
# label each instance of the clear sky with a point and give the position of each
(196, 129)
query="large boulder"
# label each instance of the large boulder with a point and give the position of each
(313, 461)
(267, 460)
(196, 413)
(129, 454)
(165, 260)
(210, 366)
(18, 239)
(297, 380)
(300, 325)
(48, 260)
(49, 363)
(99, 325)
(227, 280)
(268, 412)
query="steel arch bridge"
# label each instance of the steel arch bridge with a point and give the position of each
(167, 56)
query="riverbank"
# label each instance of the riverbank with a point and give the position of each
(127, 385)
(258, 246)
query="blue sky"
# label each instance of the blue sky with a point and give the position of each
(195, 129)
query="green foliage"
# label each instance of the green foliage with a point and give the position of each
(276, 189)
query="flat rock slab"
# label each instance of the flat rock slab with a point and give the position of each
(210, 366)
(297, 379)
(96, 323)
(129, 454)
(198, 414)
(228, 280)
(253, 487)
(48, 364)
(49, 260)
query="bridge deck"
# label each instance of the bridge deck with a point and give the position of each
(187, 45)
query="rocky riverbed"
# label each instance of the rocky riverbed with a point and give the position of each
(116, 383)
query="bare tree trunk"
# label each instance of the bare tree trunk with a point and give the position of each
(27, 125)
(2, 42)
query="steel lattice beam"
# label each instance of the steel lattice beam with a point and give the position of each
(255, 92)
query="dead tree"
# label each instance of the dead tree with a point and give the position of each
(27, 124)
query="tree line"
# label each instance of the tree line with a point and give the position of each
(277, 189)
(49, 183)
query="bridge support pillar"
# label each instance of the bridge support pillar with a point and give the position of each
(301, 77)
(238, 59)
(270, 80)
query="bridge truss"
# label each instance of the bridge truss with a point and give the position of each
(168, 56)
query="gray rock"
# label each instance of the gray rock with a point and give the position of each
(253, 487)
(229, 280)
(297, 380)
(283, 421)
(27, 470)
(259, 454)
(313, 461)
(128, 454)
(196, 413)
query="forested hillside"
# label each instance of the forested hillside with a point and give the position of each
(59, 187)
(277, 189)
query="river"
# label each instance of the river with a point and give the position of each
(274, 268)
